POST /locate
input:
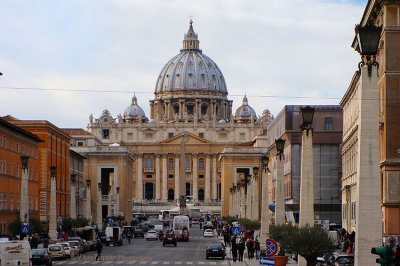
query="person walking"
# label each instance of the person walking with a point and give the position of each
(241, 248)
(234, 248)
(201, 225)
(257, 249)
(99, 248)
(249, 245)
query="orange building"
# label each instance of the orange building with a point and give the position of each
(15, 142)
(53, 151)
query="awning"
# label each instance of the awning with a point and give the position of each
(287, 208)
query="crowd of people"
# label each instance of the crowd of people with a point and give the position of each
(346, 241)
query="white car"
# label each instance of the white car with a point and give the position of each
(69, 250)
(208, 233)
(151, 235)
(56, 251)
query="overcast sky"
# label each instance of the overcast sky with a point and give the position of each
(285, 49)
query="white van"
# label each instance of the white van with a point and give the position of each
(15, 253)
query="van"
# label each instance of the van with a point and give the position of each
(158, 227)
(113, 232)
(15, 253)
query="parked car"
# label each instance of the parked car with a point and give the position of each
(334, 259)
(41, 256)
(76, 246)
(208, 233)
(57, 251)
(195, 220)
(144, 227)
(151, 235)
(138, 233)
(15, 252)
(215, 249)
(208, 226)
(82, 243)
(69, 250)
(169, 238)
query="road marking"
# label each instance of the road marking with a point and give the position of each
(143, 262)
(120, 262)
(202, 262)
(154, 262)
(132, 262)
(166, 262)
(189, 262)
(73, 262)
(213, 263)
(108, 262)
(178, 262)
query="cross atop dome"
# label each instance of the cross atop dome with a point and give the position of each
(190, 41)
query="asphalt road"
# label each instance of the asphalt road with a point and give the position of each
(152, 252)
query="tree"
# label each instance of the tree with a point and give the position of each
(35, 227)
(15, 227)
(229, 219)
(311, 242)
(250, 225)
(67, 224)
(283, 234)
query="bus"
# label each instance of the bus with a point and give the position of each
(193, 212)
(163, 215)
(181, 227)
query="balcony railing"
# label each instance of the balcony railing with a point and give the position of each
(148, 170)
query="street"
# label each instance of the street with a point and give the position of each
(142, 252)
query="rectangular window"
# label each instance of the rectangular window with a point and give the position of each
(106, 133)
(5, 200)
(170, 176)
(18, 200)
(80, 143)
(18, 147)
(170, 135)
(31, 202)
(11, 168)
(11, 144)
(23, 148)
(130, 136)
(148, 135)
(201, 135)
(171, 164)
(36, 203)
(11, 201)
(223, 135)
(242, 136)
(149, 176)
(328, 123)
(201, 176)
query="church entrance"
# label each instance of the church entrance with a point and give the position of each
(201, 194)
(149, 191)
(171, 195)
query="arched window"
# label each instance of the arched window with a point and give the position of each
(201, 163)
(149, 163)
(171, 164)
(187, 162)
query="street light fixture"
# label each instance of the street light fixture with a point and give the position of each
(280, 146)
(53, 171)
(24, 161)
(255, 171)
(230, 190)
(98, 185)
(88, 182)
(265, 161)
(118, 188)
(307, 115)
(73, 178)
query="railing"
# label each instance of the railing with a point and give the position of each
(148, 170)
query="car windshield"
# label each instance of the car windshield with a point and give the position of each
(38, 252)
(152, 232)
(73, 243)
(344, 260)
(55, 248)
(209, 230)
(214, 246)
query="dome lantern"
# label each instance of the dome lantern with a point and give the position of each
(191, 41)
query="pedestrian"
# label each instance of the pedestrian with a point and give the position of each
(226, 239)
(257, 249)
(234, 248)
(241, 248)
(201, 225)
(249, 248)
(99, 248)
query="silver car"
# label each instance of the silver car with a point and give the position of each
(69, 250)
(151, 235)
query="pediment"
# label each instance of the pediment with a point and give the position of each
(189, 139)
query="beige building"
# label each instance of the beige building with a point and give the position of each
(190, 117)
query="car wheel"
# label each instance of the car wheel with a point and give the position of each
(163, 244)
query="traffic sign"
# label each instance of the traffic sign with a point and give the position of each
(267, 261)
(25, 229)
(272, 247)
(392, 240)
(235, 230)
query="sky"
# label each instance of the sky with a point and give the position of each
(64, 60)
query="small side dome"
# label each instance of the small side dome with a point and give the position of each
(222, 121)
(245, 112)
(134, 111)
(153, 121)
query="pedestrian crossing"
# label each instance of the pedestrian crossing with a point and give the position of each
(139, 262)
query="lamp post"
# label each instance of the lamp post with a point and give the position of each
(264, 201)
(53, 206)
(88, 201)
(279, 191)
(73, 197)
(99, 207)
(307, 174)
(24, 203)
(368, 194)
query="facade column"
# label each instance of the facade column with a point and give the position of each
(53, 209)
(73, 200)
(368, 195)
(195, 179)
(307, 180)
(207, 181)
(264, 209)
(158, 178)
(99, 207)
(242, 201)
(176, 165)
(214, 177)
(164, 178)
(279, 192)
(139, 188)
(117, 203)
(24, 201)
(88, 214)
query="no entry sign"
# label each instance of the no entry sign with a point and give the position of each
(272, 247)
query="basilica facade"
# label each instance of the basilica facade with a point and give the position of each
(190, 123)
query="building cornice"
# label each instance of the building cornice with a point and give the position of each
(350, 89)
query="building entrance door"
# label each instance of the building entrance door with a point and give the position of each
(149, 191)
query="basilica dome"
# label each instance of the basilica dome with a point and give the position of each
(245, 111)
(191, 70)
(134, 111)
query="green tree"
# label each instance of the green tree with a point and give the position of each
(250, 225)
(80, 222)
(35, 227)
(311, 242)
(67, 224)
(283, 234)
(15, 227)
(229, 219)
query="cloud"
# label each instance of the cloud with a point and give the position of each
(270, 48)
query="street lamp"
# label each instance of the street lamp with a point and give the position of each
(73, 178)
(53, 171)
(98, 185)
(88, 182)
(280, 145)
(367, 38)
(24, 161)
(230, 190)
(279, 188)
(53, 207)
(24, 204)
(265, 161)
(307, 115)
(255, 171)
